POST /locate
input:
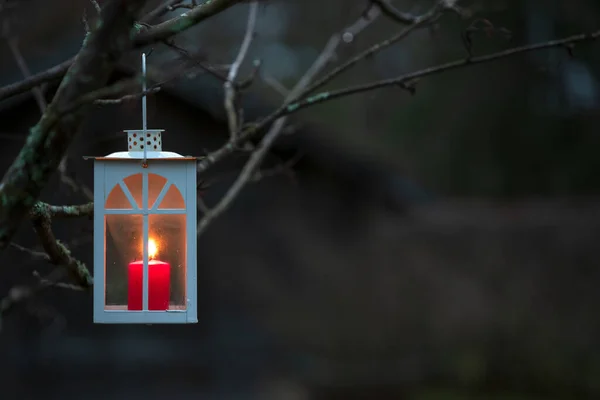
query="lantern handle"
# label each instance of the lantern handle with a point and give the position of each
(144, 115)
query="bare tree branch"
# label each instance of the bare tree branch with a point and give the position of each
(389, 10)
(197, 62)
(182, 23)
(293, 107)
(96, 6)
(411, 77)
(257, 156)
(127, 97)
(62, 285)
(50, 138)
(86, 210)
(229, 85)
(245, 175)
(32, 253)
(283, 168)
(433, 14)
(143, 37)
(23, 293)
(159, 11)
(59, 254)
(37, 91)
(420, 21)
(49, 75)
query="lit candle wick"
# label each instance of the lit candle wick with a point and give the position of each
(152, 248)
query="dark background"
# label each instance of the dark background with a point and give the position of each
(436, 246)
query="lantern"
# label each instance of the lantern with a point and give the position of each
(145, 232)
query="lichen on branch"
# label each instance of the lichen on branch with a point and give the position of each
(59, 255)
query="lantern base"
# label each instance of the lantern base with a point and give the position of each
(123, 316)
(124, 308)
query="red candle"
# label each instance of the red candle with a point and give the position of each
(159, 283)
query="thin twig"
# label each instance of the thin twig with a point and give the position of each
(127, 97)
(197, 62)
(49, 75)
(63, 285)
(30, 252)
(389, 10)
(410, 77)
(275, 84)
(159, 11)
(270, 137)
(36, 91)
(96, 6)
(244, 177)
(23, 293)
(229, 85)
(418, 22)
(283, 168)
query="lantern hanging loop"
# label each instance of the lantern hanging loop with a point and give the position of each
(144, 114)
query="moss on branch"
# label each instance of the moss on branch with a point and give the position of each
(41, 217)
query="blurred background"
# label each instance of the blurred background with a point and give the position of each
(442, 245)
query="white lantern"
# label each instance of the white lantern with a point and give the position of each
(145, 233)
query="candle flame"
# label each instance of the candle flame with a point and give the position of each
(152, 248)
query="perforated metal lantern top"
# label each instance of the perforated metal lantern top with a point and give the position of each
(144, 144)
(150, 140)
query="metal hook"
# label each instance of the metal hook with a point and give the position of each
(144, 115)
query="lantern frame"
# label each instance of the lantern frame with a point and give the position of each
(111, 171)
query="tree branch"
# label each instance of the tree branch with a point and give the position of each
(244, 177)
(59, 254)
(182, 23)
(433, 14)
(49, 75)
(37, 91)
(83, 210)
(411, 77)
(20, 294)
(392, 12)
(50, 138)
(293, 107)
(229, 86)
(143, 37)
(253, 164)
(159, 11)
(40, 255)
(420, 21)
(55, 252)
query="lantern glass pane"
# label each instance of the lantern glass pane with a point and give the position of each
(117, 199)
(172, 200)
(134, 184)
(156, 183)
(124, 235)
(167, 237)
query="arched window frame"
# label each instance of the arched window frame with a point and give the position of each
(111, 172)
